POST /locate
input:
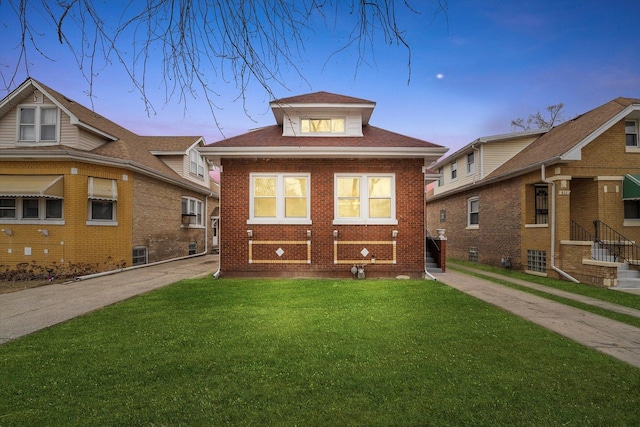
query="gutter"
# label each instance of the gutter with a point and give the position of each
(553, 226)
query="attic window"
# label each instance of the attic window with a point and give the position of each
(332, 125)
(38, 124)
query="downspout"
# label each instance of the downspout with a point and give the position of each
(553, 226)
(424, 237)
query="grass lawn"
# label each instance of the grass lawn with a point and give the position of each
(309, 352)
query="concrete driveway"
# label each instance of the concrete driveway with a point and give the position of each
(27, 311)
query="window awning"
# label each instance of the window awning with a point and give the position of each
(50, 186)
(631, 187)
(103, 189)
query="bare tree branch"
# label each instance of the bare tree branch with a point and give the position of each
(538, 121)
(199, 44)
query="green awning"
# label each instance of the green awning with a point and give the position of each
(631, 187)
(50, 186)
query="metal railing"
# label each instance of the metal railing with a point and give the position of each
(579, 233)
(433, 244)
(621, 247)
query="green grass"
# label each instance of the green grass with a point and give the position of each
(309, 352)
(625, 299)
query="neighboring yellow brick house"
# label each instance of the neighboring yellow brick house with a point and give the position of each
(79, 190)
(561, 203)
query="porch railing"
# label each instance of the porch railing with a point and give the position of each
(622, 248)
(579, 233)
(434, 248)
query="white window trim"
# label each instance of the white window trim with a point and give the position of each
(471, 166)
(199, 203)
(146, 255)
(42, 212)
(196, 161)
(364, 198)
(344, 120)
(469, 201)
(108, 222)
(279, 218)
(37, 124)
(451, 169)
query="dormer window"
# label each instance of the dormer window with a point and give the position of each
(333, 125)
(38, 124)
(196, 163)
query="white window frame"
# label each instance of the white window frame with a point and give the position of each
(145, 255)
(454, 171)
(196, 163)
(470, 212)
(331, 131)
(37, 124)
(102, 221)
(440, 177)
(42, 212)
(635, 132)
(364, 218)
(280, 217)
(193, 206)
(471, 163)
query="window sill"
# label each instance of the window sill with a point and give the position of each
(33, 221)
(631, 223)
(197, 226)
(365, 222)
(104, 223)
(536, 273)
(536, 226)
(472, 227)
(273, 221)
(634, 150)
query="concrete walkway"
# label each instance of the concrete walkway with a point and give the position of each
(27, 311)
(608, 336)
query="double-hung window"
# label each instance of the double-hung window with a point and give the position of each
(473, 212)
(631, 133)
(471, 167)
(365, 199)
(440, 177)
(454, 171)
(542, 204)
(30, 208)
(279, 198)
(196, 163)
(37, 124)
(192, 208)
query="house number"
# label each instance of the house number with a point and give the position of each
(564, 192)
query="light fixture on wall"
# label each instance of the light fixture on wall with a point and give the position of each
(7, 231)
(394, 233)
(249, 233)
(44, 232)
(335, 233)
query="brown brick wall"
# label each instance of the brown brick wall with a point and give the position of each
(498, 234)
(409, 213)
(157, 215)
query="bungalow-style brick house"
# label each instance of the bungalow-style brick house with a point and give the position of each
(321, 192)
(78, 189)
(563, 203)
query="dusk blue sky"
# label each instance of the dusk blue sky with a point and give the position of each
(487, 63)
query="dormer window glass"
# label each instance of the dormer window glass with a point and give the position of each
(333, 125)
(38, 124)
(196, 163)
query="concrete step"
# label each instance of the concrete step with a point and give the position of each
(628, 283)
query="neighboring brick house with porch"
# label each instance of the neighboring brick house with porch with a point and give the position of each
(321, 192)
(562, 203)
(78, 189)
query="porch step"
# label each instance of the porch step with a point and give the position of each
(628, 277)
(601, 254)
(430, 264)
